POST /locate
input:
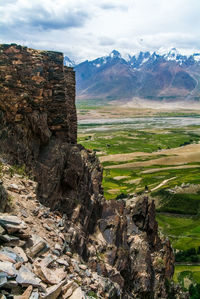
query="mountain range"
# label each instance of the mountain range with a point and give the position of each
(157, 76)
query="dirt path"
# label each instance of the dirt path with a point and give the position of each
(162, 184)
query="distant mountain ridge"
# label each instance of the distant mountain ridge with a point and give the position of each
(68, 62)
(169, 76)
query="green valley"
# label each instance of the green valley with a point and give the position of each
(160, 158)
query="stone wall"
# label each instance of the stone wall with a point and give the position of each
(38, 128)
(35, 85)
(71, 108)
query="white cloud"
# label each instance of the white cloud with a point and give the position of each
(88, 29)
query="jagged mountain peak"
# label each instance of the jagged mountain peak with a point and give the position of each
(115, 54)
(196, 57)
(173, 52)
(68, 62)
(164, 74)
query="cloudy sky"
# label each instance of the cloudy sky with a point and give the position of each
(86, 29)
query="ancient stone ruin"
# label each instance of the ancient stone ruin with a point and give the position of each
(117, 240)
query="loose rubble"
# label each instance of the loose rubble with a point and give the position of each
(36, 261)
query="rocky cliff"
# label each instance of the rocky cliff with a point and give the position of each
(38, 127)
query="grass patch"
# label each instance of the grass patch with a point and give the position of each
(186, 275)
(128, 141)
(184, 232)
(190, 201)
(122, 186)
(183, 203)
(19, 169)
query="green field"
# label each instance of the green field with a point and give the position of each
(185, 275)
(184, 231)
(178, 211)
(127, 141)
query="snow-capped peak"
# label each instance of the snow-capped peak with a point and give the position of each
(173, 52)
(68, 62)
(172, 55)
(162, 51)
(196, 57)
(115, 54)
(143, 59)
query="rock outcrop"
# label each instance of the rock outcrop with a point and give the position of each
(38, 128)
(3, 198)
(117, 240)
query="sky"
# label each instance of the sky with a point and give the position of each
(89, 29)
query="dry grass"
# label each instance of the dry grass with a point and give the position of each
(113, 191)
(169, 168)
(134, 181)
(135, 108)
(121, 177)
(176, 156)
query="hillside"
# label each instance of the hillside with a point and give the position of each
(151, 76)
(85, 246)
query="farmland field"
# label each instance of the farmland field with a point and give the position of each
(158, 155)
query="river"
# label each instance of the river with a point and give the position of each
(87, 125)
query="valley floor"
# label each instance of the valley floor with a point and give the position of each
(98, 109)
(161, 157)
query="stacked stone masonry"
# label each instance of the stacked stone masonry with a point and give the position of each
(36, 83)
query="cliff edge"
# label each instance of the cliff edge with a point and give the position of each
(38, 128)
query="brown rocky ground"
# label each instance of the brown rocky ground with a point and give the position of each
(35, 260)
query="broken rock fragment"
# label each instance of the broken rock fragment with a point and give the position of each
(11, 254)
(38, 249)
(27, 293)
(54, 291)
(2, 230)
(67, 290)
(25, 277)
(78, 293)
(14, 188)
(9, 219)
(5, 258)
(48, 260)
(8, 269)
(11, 224)
(34, 295)
(62, 262)
(20, 252)
(3, 280)
(49, 276)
